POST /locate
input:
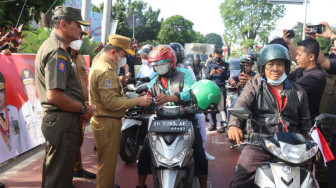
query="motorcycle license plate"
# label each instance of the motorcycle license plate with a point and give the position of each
(172, 126)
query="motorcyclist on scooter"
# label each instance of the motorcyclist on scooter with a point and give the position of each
(146, 72)
(277, 104)
(246, 73)
(171, 87)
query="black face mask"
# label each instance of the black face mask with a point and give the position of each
(218, 60)
(332, 56)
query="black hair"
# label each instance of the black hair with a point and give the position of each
(279, 40)
(218, 51)
(56, 22)
(311, 46)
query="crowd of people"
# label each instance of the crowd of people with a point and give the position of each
(283, 98)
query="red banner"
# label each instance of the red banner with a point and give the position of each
(20, 106)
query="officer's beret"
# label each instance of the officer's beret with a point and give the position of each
(27, 76)
(121, 42)
(2, 82)
(65, 12)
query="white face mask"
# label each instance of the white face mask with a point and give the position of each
(121, 61)
(278, 81)
(144, 62)
(162, 69)
(76, 44)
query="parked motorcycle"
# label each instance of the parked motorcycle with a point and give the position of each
(134, 125)
(290, 151)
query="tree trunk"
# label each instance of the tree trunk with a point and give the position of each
(45, 20)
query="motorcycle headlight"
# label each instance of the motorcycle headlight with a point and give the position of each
(291, 153)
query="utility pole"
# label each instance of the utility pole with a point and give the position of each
(106, 20)
(305, 19)
(86, 13)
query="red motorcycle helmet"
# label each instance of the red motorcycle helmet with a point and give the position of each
(162, 52)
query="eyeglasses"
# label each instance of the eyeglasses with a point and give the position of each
(160, 62)
(272, 65)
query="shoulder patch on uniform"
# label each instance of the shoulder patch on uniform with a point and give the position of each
(61, 66)
(62, 57)
(108, 83)
(62, 46)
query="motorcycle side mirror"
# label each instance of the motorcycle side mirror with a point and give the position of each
(240, 112)
(324, 119)
(141, 88)
(130, 87)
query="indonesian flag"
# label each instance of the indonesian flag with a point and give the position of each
(323, 145)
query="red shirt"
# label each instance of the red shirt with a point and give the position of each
(281, 102)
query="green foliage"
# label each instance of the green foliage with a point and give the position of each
(249, 22)
(149, 25)
(10, 11)
(99, 8)
(176, 29)
(34, 40)
(213, 38)
(89, 47)
(199, 38)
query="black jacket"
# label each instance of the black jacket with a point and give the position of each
(258, 98)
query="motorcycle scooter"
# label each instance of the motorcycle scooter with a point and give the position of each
(134, 125)
(171, 138)
(289, 150)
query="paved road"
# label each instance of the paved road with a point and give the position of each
(25, 171)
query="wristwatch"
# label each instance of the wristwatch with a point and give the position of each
(83, 109)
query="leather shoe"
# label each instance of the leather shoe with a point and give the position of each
(221, 130)
(84, 174)
(2, 185)
(212, 128)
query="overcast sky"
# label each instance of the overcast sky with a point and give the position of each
(206, 17)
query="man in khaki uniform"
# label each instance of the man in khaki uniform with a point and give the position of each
(61, 97)
(107, 95)
(79, 61)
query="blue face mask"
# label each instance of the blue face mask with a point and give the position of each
(278, 81)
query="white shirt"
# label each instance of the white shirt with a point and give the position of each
(31, 122)
(13, 147)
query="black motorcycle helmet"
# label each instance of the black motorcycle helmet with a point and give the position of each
(272, 52)
(179, 52)
(145, 50)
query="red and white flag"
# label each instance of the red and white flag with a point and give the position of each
(323, 145)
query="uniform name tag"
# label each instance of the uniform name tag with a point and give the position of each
(109, 83)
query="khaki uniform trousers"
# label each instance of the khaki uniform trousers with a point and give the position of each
(60, 130)
(107, 133)
(81, 129)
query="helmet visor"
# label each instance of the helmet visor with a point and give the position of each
(160, 62)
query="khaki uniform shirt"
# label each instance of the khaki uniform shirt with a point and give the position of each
(105, 90)
(81, 74)
(54, 69)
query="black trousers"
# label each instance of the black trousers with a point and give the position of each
(201, 163)
(332, 164)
